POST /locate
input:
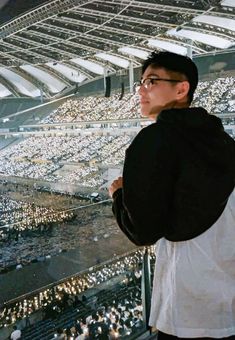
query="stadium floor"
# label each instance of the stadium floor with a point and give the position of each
(83, 256)
(36, 275)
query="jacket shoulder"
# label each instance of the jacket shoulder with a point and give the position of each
(158, 134)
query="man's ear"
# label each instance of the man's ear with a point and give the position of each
(182, 89)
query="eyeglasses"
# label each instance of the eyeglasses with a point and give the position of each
(148, 82)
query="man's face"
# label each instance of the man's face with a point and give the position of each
(159, 95)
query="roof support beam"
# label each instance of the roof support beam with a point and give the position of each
(56, 40)
(13, 49)
(34, 80)
(55, 74)
(92, 27)
(83, 35)
(124, 18)
(169, 8)
(154, 6)
(10, 86)
(38, 15)
(7, 55)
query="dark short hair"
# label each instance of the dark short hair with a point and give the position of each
(176, 63)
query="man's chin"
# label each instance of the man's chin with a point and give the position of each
(149, 115)
(144, 112)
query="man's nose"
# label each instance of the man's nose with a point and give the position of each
(141, 89)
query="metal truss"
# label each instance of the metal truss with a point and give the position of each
(39, 84)
(8, 56)
(10, 86)
(124, 18)
(154, 6)
(61, 30)
(55, 41)
(14, 50)
(55, 74)
(92, 27)
(39, 14)
(83, 35)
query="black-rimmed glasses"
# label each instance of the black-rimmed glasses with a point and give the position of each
(148, 82)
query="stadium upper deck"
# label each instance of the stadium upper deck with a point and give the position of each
(62, 43)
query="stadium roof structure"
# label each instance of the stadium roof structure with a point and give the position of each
(66, 42)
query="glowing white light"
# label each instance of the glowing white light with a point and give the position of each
(168, 46)
(68, 72)
(216, 21)
(53, 83)
(205, 38)
(136, 52)
(89, 65)
(229, 3)
(113, 59)
(23, 85)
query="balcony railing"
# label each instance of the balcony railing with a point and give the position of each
(96, 280)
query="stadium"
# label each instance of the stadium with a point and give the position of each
(68, 113)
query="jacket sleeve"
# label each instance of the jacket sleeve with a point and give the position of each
(143, 207)
(122, 217)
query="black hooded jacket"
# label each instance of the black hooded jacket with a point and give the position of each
(178, 175)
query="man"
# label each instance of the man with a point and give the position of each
(178, 191)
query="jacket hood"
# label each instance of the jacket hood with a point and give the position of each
(206, 135)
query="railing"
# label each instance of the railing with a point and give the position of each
(103, 276)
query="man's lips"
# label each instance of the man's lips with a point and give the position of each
(144, 101)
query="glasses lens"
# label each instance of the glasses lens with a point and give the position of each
(147, 82)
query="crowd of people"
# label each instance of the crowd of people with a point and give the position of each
(66, 293)
(117, 313)
(38, 233)
(42, 157)
(91, 108)
(216, 96)
(19, 218)
(119, 317)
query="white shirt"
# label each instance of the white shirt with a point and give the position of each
(80, 337)
(16, 334)
(194, 282)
